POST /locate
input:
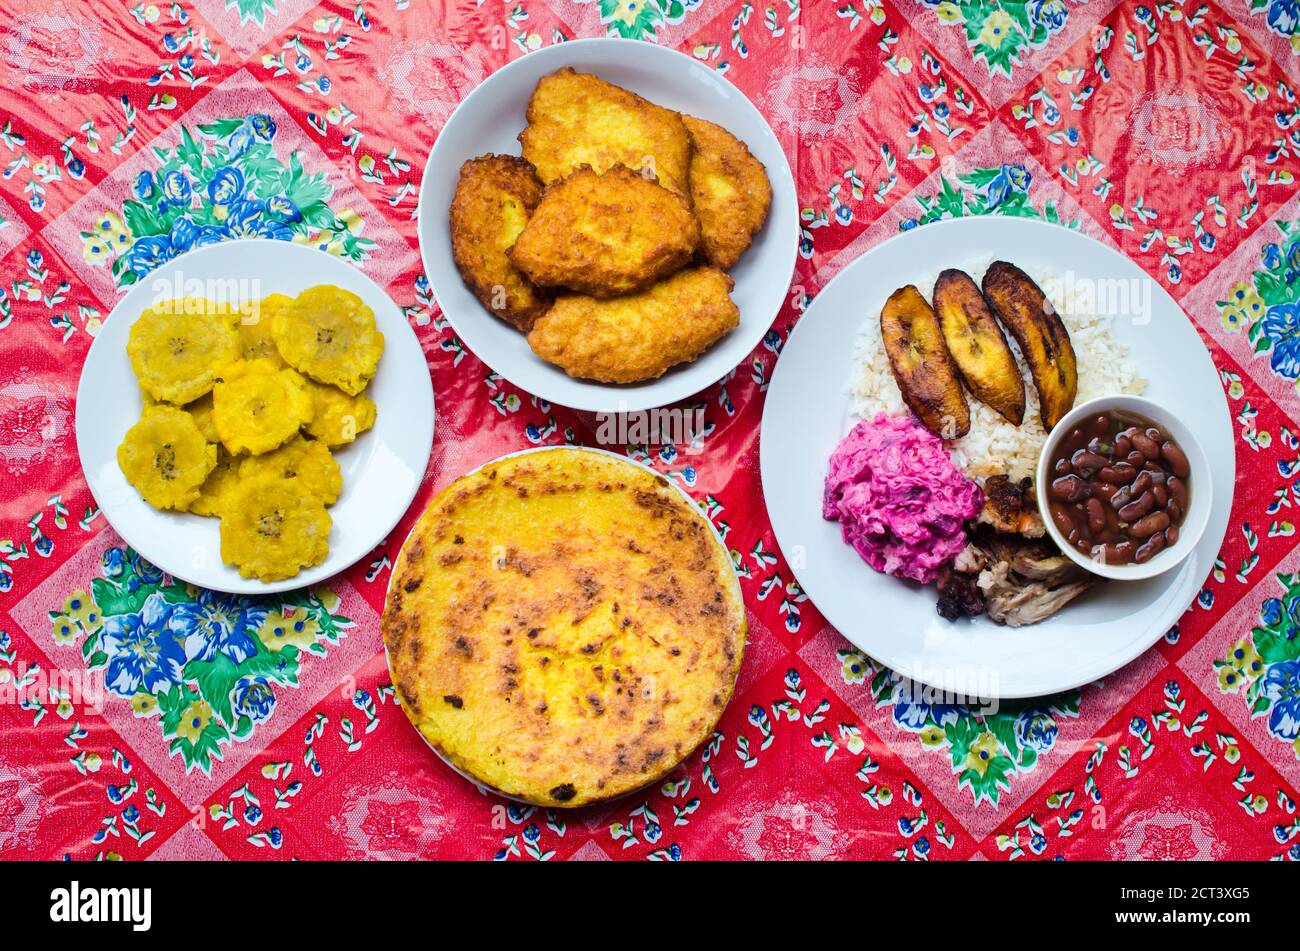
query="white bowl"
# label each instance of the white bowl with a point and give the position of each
(490, 118)
(1200, 487)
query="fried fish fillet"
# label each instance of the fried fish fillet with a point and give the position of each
(635, 338)
(730, 190)
(1043, 339)
(579, 119)
(606, 234)
(977, 346)
(563, 626)
(921, 363)
(494, 199)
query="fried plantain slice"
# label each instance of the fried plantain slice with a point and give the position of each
(255, 321)
(338, 418)
(305, 459)
(1044, 341)
(201, 410)
(329, 334)
(166, 457)
(922, 366)
(272, 528)
(606, 234)
(216, 489)
(178, 347)
(977, 345)
(256, 407)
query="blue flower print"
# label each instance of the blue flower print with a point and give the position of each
(1271, 256)
(1283, 15)
(256, 128)
(227, 186)
(215, 623)
(253, 698)
(143, 654)
(1281, 325)
(248, 219)
(1037, 730)
(1009, 178)
(176, 188)
(1282, 686)
(1050, 14)
(149, 253)
(113, 562)
(912, 712)
(283, 208)
(1270, 612)
(183, 234)
(143, 186)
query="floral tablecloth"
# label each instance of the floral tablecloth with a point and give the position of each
(130, 132)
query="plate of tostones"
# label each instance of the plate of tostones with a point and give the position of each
(255, 416)
(610, 225)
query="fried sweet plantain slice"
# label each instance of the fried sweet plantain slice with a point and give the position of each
(256, 407)
(166, 457)
(305, 459)
(338, 418)
(977, 345)
(272, 528)
(579, 119)
(329, 334)
(922, 366)
(606, 234)
(178, 347)
(1043, 339)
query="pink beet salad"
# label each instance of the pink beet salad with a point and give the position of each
(898, 497)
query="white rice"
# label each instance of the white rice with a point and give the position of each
(993, 445)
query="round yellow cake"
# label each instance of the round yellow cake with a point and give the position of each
(563, 626)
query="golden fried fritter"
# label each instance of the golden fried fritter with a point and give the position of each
(606, 234)
(635, 338)
(563, 626)
(494, 199)
(730, 189)
(579, 119)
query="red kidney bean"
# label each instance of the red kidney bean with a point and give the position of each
(1062, 467)
(1147, 446)
(1177, 491)
(1123, 445)
(1135, 458)
(1069, 488)
(1063, 522)
(1171, 536)
(1175, 511)
(1114, 553)
(1149, 549)
(1086, 463)
(1104, 490)
(1096, 517)
(1121, 473)
(1161, 494)
(1142, 483)
(1177, 459)
(1122, 498)
(1149, 525)
(1138, 507)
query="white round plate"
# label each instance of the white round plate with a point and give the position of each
(808, 412)
(489, 120)
(381, 470)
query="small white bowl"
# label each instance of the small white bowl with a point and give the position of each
(1199, 484)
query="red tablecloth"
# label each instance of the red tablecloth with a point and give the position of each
(1168, 129)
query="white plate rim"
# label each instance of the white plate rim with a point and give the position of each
(309, 576)
(1211, 540)
(549, 382)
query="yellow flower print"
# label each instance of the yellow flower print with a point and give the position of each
(1242, 308)
(193, 720)
(997, 29)
(948, 12)
(853, 666)
(65, 629)
(64, 709)
(1295, 43)
(1296, 746)
(82, 607)
(982, 752)
(327, 598)
(1231, 754)
(933, 736)
(627, 11)
(1230, 679)
(144, 704)
(282, 628)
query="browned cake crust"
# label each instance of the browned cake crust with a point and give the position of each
(563, 626)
